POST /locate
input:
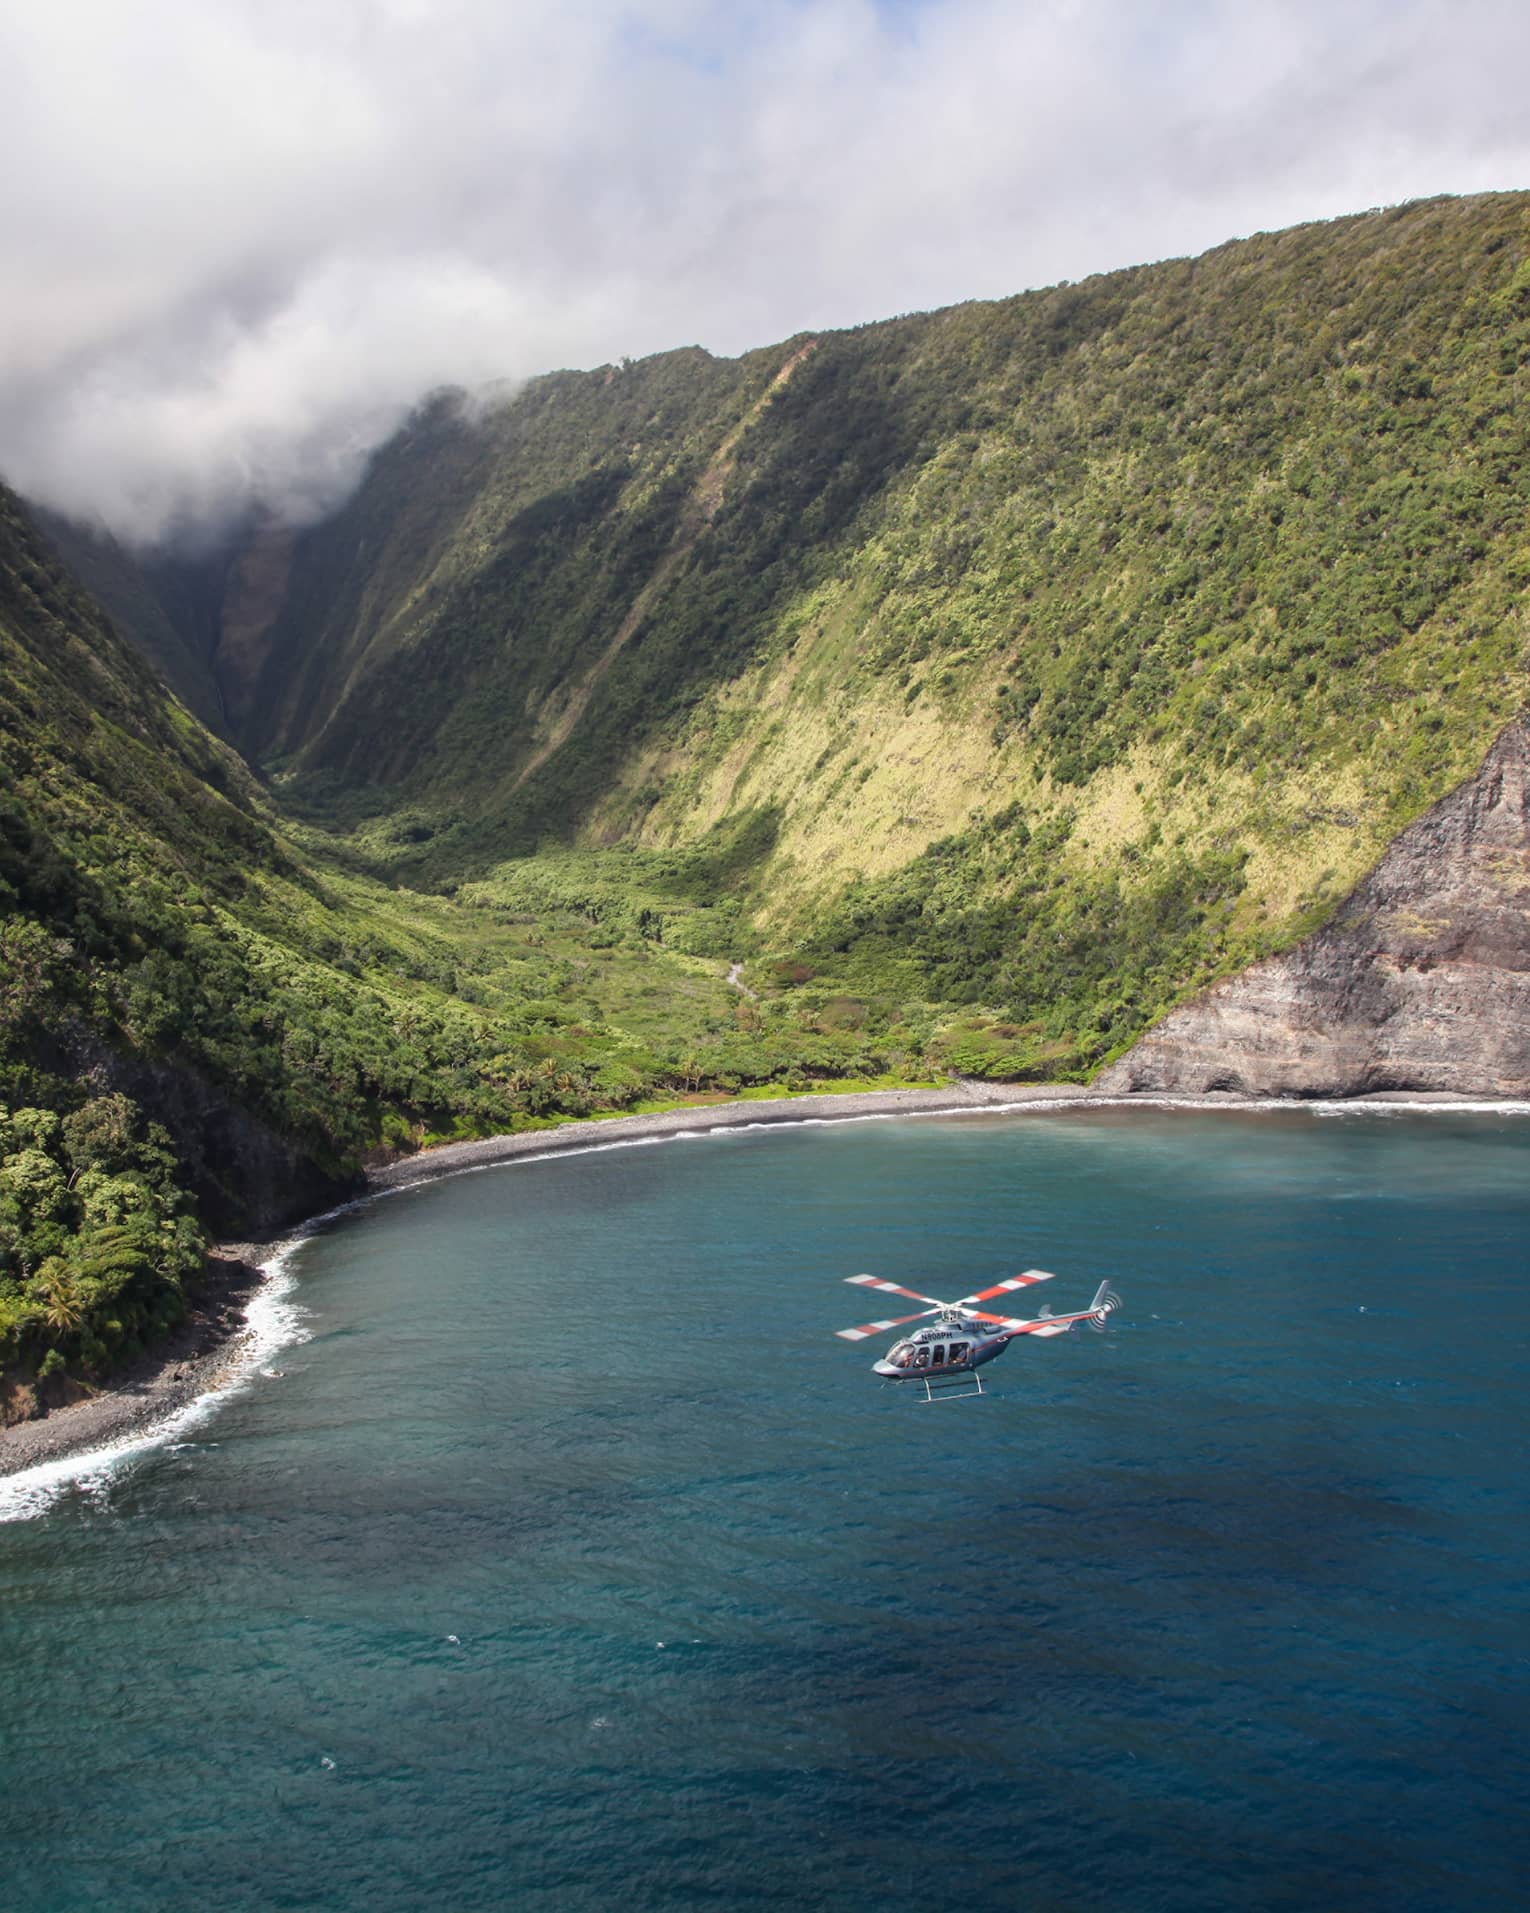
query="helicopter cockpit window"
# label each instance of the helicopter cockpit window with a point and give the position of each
(900, 1356)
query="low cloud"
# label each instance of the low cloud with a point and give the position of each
(239, 240)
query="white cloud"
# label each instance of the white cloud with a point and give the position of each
(238, 238)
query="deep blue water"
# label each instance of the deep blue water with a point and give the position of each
(573, 1563)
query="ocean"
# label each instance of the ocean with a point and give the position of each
(553, 1552)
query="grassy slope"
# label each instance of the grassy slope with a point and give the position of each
(433, 619)
(1204, 578)
(169, 608)
(1248, 531)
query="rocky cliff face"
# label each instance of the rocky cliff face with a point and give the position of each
(1422, 980)
(247, 1177)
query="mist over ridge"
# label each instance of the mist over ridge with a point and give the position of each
(240, 243)
(969, 694)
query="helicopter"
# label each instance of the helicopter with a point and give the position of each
(963, 1336)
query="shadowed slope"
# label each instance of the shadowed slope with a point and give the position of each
(1052, 656)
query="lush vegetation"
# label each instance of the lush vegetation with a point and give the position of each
(1251, 511)
(97, 1239)
(983, 681)
(1215, 568)
(208, 1020)
(1071, 963)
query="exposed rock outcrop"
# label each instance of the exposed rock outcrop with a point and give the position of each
(247, 1177)
(1421, 981)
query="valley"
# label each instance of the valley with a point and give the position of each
(973, 688)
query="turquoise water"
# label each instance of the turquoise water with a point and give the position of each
(572, 1562)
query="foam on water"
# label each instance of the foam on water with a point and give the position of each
(1051, 1106)
(273, 1320)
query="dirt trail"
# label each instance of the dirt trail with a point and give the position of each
(698, 512)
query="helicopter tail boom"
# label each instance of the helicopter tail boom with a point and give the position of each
(1105, 1303)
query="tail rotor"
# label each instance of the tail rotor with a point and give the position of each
(1105, 1302)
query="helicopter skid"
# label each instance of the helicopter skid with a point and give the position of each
(960, 1389)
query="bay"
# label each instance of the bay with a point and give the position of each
(571, 1561)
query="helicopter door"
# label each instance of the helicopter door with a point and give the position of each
(940, 1354)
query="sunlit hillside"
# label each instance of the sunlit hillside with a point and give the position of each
(983, 682)
(1168, 597)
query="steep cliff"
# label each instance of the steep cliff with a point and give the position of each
(1222, 551)
(169, 606)
(1421, 981)
(1029, 664)
(131, 843)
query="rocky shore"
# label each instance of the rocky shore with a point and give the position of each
(196, 1357)
(1420, 982)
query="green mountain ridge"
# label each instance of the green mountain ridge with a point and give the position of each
(1202, 578)
(986, 680)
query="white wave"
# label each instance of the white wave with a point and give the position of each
(1473, 1106)
(274, 1320)
(1054, 1105)
(1259, 1105)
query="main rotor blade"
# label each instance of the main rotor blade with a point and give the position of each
(892, 1288)
(879, 1328)
(1025, 1281)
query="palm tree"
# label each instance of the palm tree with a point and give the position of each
(63, 1311)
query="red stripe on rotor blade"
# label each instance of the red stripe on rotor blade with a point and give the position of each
(1025, 1281)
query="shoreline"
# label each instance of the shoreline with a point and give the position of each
(962, 1098)
(205, 1349)
(449, 1159)
(193, 1361)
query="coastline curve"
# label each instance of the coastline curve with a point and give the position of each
(86, 1446)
